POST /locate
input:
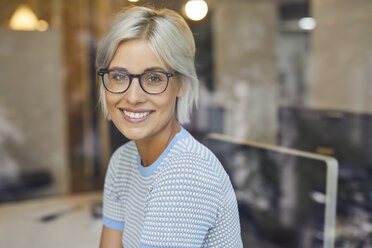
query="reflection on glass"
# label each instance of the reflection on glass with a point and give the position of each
(286, 197)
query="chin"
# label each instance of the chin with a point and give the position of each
(133, 133)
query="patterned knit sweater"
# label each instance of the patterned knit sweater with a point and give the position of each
(184, 199)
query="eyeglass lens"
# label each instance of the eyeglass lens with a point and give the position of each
(152, 82)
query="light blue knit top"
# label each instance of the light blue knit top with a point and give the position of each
(184, 199)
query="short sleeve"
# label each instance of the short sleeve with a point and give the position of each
(112, 208)
(182, 205)
(226, 232)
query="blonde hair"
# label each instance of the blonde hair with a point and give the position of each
(171, 40)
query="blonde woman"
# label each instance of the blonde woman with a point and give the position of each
(163, 188)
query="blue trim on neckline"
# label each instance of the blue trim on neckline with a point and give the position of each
(148, 170)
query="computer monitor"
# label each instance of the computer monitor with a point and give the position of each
(286, 197)
(347, 136)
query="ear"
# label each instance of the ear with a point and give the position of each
(181, 86)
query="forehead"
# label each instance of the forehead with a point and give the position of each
(135, 56)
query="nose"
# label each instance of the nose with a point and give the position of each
(135, 94)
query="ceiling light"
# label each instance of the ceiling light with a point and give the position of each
(42, 25)
(196, 9)
(307, 23)
(26, 20)
(23, 19)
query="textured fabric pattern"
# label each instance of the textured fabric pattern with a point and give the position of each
(184, 199)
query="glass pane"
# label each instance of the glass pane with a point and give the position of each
(291, 73)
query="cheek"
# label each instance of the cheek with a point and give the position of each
(111, 100)
(166, 105)
(170, 101)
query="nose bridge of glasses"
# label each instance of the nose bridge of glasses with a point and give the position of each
(136, 86)
(137, 76)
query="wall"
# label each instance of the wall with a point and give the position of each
(32, 117)
(342, 55)
(245, 36)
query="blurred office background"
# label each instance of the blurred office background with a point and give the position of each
(291, 73)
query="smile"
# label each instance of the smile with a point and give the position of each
(136, 115)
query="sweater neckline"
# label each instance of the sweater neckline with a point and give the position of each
(149, 170)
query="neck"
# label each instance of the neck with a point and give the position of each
(151, 148)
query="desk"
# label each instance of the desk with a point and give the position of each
(51, 223)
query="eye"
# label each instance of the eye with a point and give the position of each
(154, 77)
(118, 76)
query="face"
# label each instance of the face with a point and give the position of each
(138, 115)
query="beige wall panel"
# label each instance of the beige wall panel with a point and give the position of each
(32, 122)
(245, 39)
(342, 55)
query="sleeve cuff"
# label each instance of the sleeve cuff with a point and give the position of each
(113, 224)
(144, 246)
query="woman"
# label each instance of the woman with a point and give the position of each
(163, 188)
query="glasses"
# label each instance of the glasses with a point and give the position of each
(152, 82)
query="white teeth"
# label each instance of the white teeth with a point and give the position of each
(136, 115)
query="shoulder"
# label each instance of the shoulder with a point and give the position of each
(126, 149)
(188, 178)
(193, 160)
(125, 154)
(192, 166)
(196, 155)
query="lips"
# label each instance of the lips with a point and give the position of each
(136, 115)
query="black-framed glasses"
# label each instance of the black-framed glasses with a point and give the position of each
(152, 82)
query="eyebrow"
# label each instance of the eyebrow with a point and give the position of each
(146, 70)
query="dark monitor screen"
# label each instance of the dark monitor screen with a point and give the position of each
(286, 197)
